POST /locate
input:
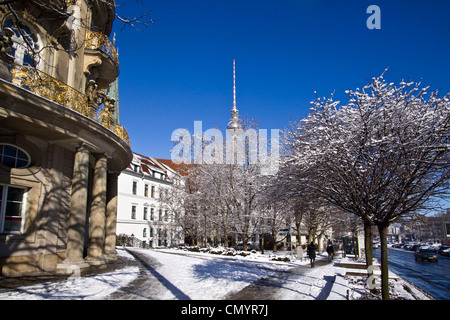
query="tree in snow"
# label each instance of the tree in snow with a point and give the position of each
(382, 156)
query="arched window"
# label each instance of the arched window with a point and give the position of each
(26, 44)
(144, 232)
(13, 157)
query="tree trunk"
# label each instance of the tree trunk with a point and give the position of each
(368, 244)
(299, 234)
(262, 243)
(384, 262)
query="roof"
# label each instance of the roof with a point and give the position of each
(147, 164)
(180, 168)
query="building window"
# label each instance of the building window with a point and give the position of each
(144, 232)
(152, 212)
(145, 213)
(22, 41)
(151, 232)
(133, 212)
(12, 208)
(13, 157)
(146, 190)
(134, 191)
(160, 214)
(153, 191)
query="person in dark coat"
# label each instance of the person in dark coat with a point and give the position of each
(311, 250)
(330, 251)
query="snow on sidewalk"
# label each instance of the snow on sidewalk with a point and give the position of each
(198, 277)
(201, 276)
(91, 287)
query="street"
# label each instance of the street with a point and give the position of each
(432, 277)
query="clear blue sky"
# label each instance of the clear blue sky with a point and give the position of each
(179, 70)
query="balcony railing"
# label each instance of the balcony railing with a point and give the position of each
(48, 87)
(99, 41)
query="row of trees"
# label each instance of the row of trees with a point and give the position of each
(383, 156)
(234, 202)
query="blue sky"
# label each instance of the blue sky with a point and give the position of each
(180, 69)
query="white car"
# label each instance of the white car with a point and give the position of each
(446, 252)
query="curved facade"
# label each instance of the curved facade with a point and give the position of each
(61, 144)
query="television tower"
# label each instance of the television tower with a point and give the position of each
(234, 121)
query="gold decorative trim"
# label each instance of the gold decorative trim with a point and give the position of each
(48, 87)
(99, 41)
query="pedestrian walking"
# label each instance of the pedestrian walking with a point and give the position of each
(311, 250)
(330, 251)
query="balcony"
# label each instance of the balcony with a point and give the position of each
(100, 54)
(48, 87)
(99, 41)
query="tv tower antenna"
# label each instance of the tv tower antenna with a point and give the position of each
(234, 84)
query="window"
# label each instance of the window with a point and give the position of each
(144, 232)
(153, 191)
(146, 190)
(12, 208)
(134, 191)
(145, 213)
(21, 51)
(152, 211)
(133, 212)
(13, 157)
(151, 232)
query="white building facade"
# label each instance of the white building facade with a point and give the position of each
(140, 214)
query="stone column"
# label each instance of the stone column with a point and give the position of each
(77, 217)
(111, 218)
(98, 209)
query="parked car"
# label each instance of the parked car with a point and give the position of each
(446, 252)
(443, 248)
(435, 247)
(414, 247)
(425, 254)
(250, 245)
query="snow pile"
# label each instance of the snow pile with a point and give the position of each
(353, 287)
(399, 289)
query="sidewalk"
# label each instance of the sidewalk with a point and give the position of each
(128, 278)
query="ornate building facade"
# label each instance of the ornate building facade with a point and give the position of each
(62, 147)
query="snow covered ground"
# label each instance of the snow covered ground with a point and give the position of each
(196, 276)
